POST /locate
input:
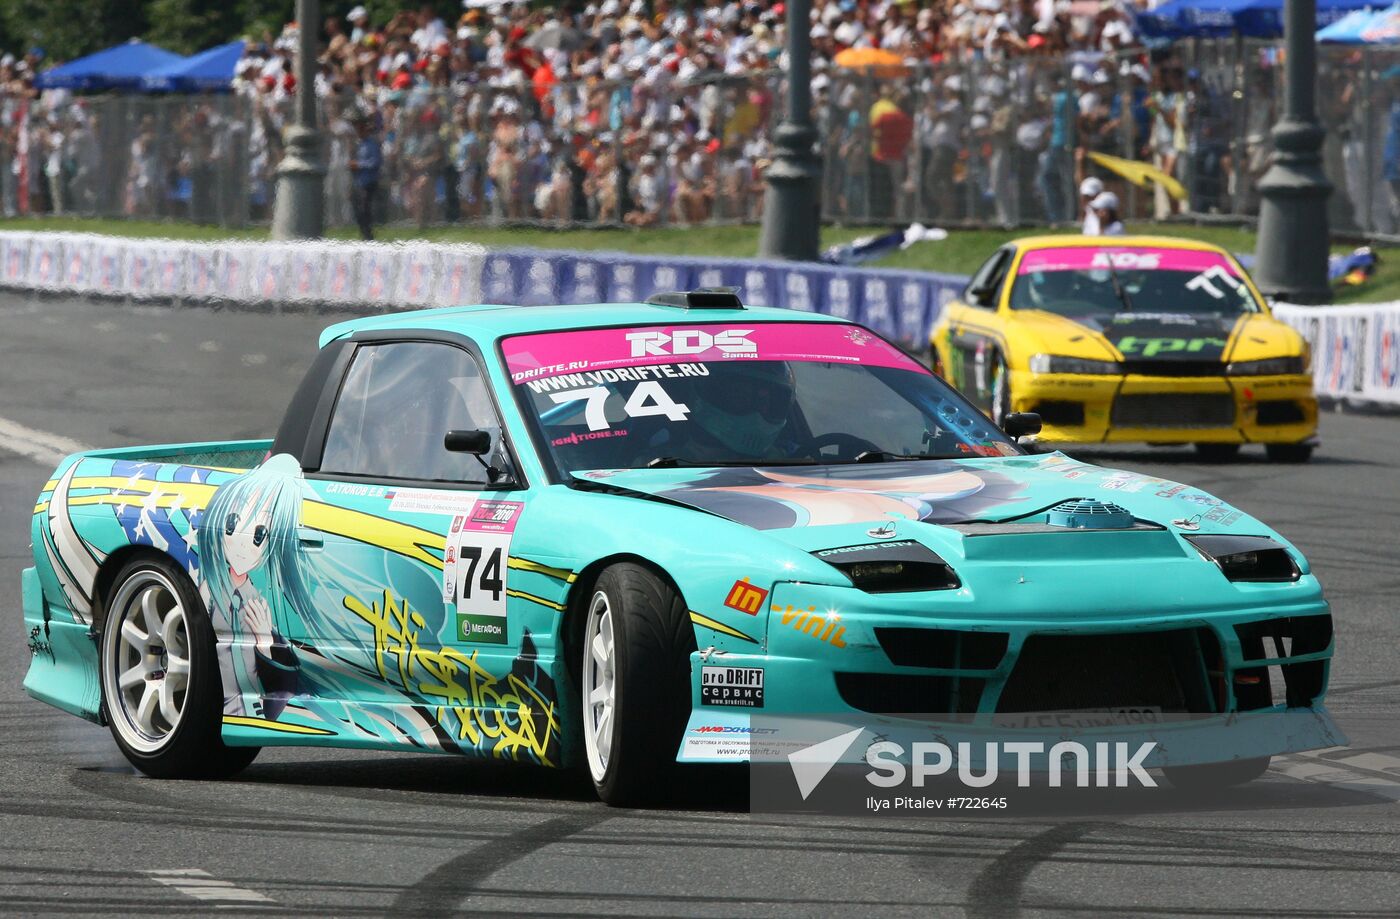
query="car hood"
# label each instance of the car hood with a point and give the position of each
(1137, 336)
(813, 506)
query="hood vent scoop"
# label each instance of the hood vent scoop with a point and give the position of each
(1088, 514)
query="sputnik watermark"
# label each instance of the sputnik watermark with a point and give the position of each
(1092, 768)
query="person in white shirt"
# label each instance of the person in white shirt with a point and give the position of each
(1105, 208)
(1089, 189)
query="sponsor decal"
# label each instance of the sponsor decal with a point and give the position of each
(824, 627)
(1089, 258)
(745, 597)
(430, 501)
(1153, 347)
(597, 351)
(690, 341)
(737, 686)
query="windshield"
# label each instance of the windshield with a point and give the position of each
(765, 394)
(1082, 281)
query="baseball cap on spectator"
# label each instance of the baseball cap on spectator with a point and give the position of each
(1105, 201)
(1081, 73)
(1091, 187)
(357, 14)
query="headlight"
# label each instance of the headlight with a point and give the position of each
(1271, 367)
(1053, 363)
(1247, 558)
(891, 567)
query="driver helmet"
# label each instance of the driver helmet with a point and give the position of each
(745, 405)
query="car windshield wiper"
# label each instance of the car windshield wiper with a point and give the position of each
(884, 456)
(1118, 287)
(673, 462)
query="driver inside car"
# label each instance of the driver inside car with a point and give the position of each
(743, 410)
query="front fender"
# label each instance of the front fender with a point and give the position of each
(724, 571)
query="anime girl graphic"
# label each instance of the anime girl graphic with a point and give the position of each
(336, 676)
(767, 499)
(247, 558)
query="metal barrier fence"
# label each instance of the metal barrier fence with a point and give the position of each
(983, 143)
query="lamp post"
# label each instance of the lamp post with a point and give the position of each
(1291, 258)
(297, 212)
(792, 203)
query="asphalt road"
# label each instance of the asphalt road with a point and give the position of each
(367, 834)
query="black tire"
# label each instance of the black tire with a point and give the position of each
(1215, 776)
(1218, 453)
(652, 640)
(1000, 393)
(192, 748)
(1289, 453)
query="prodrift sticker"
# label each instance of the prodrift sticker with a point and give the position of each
(737, 686)
(475, 569)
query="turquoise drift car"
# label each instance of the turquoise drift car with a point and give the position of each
(609, 535)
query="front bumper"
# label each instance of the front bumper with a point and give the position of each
(1090, 408)
(840, 655)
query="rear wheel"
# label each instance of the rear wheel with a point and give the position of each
(635, 692)
(1218, 453)
(1212, 776)
(1289, 453)
(160, 677)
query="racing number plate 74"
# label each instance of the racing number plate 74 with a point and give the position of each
(475, 570)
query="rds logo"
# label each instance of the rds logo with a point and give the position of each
(690, 341)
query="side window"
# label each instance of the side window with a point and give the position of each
(398, 401)
(988, 278)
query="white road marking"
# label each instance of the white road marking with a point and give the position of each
(1364, 772)
(200, 884)
(40, 446)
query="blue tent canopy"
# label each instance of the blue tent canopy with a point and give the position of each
(207, 71)
(1219, 18)
(1365, 27)
(118, 67)
(1346, 30)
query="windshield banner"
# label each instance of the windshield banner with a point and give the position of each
(530, 357)
(1088, 258)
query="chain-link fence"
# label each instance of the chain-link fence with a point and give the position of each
(984, 143)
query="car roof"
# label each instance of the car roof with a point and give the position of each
(488, 322)
(1064, 240)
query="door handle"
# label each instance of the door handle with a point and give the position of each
(310, 539)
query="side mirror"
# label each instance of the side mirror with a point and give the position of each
(1019, 424)
(980, 296)
(476, 443)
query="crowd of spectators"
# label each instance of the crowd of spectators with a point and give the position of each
(649, 112)
(644, 113)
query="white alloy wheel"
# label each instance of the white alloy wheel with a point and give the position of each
(599, 685)
(146, 661)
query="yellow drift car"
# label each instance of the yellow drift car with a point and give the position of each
(1117, 339)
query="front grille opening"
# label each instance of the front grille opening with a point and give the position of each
(944, 648)
(1272, 639)
(1290, 636)
(1165, 671)
(898, 694)
(1280, 411)
(1061, 412)
(1174, 410)
(1174, 368)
